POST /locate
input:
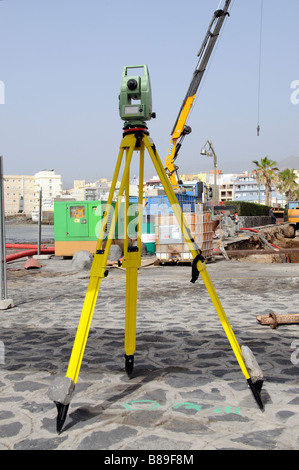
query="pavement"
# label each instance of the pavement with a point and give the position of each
(187, 392)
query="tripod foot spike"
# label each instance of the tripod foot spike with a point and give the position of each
(61, 416)
(61, 391)
(129, 365)
(255, 382)
(256, 391)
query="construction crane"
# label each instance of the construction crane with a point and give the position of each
(180, 129)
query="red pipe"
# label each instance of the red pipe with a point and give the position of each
(20, 254)
(27, 246)
(274, 246)
(251, 229)
(30, 251)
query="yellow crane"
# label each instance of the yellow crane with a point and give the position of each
(180, 129)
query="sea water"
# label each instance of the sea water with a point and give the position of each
(28, 233)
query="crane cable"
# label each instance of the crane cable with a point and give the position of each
(259, 72)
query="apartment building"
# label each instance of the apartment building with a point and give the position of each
(22, 192)
(51, 187)
(18, 194)
(244, 187)
(238, 187)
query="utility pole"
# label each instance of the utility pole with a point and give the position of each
(211, 153)
(4, 301)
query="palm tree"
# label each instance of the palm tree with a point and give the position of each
(257, 176)
(268, 172)
(295, 194)
(287, 183)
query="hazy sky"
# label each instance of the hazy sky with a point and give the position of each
(61, 66)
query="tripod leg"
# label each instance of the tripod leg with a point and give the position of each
(97, 272)
(132, 261)
(223, 318)
(61, 392)
(201, 267)
(131, 308)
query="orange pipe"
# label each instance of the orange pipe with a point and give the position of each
(20, 254)
(28, 252)
(27, 246)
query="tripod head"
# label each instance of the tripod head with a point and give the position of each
(135, 99)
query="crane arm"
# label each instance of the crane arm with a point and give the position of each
(180, 130)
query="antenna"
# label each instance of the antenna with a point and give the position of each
(259, 74)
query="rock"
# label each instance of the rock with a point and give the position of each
(61, 390)
(6, 303)
(289, 231)
(115, 253)
(254, 369)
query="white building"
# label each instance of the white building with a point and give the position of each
(51, 186)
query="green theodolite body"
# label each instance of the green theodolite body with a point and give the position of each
(135, 99)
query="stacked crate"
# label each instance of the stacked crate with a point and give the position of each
(170, 243)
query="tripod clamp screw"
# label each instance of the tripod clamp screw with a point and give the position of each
(195, 271)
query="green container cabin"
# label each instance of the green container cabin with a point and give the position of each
(77, 225)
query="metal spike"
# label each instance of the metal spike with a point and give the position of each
(61, 416)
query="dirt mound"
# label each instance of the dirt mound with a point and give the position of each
(276, 236)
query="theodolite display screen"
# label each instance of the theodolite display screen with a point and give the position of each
(131, 110)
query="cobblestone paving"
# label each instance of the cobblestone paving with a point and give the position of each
(187, 391)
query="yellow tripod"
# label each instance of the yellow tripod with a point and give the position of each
(135, 139)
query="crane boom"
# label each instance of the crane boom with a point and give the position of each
(180, 129)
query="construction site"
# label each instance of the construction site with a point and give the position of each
(153, 326)
(186, 392)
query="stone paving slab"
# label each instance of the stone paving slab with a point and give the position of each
(187, 391)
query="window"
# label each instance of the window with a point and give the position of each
(77, 212)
